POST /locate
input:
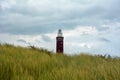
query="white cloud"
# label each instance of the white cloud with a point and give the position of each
(97, 31)
(81, 30)
(82, 45)
(78, 39)
(27, 40)
(7, 4)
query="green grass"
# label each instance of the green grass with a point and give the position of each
(17, 63)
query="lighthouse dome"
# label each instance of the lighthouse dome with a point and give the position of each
(59, 33)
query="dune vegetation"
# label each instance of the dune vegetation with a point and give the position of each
(18, 63)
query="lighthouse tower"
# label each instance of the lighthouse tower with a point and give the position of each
(59, 42)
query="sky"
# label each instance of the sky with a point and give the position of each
(91, 26)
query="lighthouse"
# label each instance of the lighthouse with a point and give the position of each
(59, 42)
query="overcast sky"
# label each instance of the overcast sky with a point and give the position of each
(91, 26)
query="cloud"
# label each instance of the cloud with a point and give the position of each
(88, 25)
(80, 30)
(104, 40)
(46, 38)
(34, 17)
(82, 45)
(7, 4)
(21, 40)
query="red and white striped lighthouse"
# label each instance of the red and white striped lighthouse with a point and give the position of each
(59, 42)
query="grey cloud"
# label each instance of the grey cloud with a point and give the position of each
(118, 28)
(21, 40)
(46, 38)
(51, 16)
(104, 39)
(103, 28)
(38, 41)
